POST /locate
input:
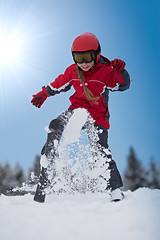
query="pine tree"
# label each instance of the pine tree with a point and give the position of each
(2, 179)
(5, 178)
(10, 178)
(36, 166)
(135, 174)
(153, 176)
(34, 171)
(29, 185)
(32, 177)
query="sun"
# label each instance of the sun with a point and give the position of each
(9, 48)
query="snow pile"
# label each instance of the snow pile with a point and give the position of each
(81, 217)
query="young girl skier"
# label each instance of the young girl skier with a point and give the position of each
(92, 76)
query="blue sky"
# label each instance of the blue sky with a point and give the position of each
(129, 30)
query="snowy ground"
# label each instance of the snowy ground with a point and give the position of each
(81, 217)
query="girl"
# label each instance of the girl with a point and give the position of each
(92, 76)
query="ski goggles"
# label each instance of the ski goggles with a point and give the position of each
(87, 57)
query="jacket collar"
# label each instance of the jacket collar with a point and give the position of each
(93, 69)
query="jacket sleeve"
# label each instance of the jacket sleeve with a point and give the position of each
(127, 81)
(118, 80)
(60, 84)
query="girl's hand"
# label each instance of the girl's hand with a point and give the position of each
(39, 98)
(118, 64)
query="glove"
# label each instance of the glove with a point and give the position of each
(40, 97)
(118, 64)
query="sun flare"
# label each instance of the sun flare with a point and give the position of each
(9, 48)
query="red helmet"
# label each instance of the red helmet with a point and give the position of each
(87, 42)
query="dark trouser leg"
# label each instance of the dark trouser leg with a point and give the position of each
(43, 183)
(98, 138)
(56, 128)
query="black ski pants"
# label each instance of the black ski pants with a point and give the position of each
(98, 139)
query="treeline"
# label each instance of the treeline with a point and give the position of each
(136, 175)
(13, 181)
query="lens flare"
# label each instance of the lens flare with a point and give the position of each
(9, 48)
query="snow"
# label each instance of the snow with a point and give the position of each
(81, 217)
(76, 122)
(74, 159)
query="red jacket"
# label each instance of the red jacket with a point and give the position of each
(99, 79)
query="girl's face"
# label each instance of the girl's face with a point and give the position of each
(86, 66)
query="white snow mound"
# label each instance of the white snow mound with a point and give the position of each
(81, 217)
